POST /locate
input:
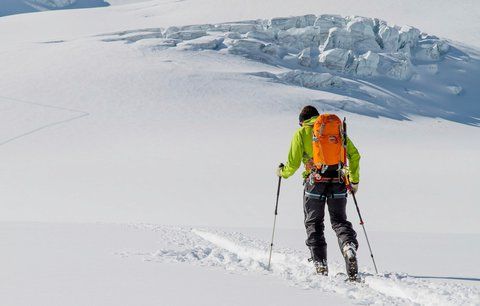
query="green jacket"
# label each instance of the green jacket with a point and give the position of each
(301, 151)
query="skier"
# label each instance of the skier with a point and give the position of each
(320, 145)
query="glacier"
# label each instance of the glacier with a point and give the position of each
(352, 45)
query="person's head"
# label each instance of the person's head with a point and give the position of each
(307, 113)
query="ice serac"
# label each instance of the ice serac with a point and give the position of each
(431, 50)
(308, 58)
(186, 35)
(358, 35)
(285, 23)
(366, 64)
(194, 27)
(273, 50)
(337, 38)
(202, 43)
(311, 79)
(389, 37)
(362, 35)
(297, 39)
(395, 66)
(355, 46)
(247, 47)
(326, 22)
(233, 35)
(239, 27)
(336, 59)
(265, 35)
(408, 37)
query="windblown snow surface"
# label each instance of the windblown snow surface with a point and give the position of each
(172, 116)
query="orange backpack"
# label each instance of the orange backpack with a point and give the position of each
(328, 148)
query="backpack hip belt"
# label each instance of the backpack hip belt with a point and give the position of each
(316, 177)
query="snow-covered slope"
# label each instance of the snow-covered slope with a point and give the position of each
(149, 106)
(146, 118)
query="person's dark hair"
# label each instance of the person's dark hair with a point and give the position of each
(307, 113)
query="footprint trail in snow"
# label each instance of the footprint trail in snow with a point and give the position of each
(236, 252)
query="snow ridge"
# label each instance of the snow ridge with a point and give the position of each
(239, 253)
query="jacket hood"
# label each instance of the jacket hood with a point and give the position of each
(310, 121)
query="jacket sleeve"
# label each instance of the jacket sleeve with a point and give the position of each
(294, 156)
(354, 159)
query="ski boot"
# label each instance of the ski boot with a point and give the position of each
(321, 267)
(349, 251)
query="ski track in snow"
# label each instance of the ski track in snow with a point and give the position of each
(233, 251)
(79, 114)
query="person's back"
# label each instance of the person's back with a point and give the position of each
(325, 183)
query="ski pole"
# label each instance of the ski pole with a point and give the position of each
(275, 218)
(349, 187)
(363, 225)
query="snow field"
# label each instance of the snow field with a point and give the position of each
(224, 96)
(136, 100)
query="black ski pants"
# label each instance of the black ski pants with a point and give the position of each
(315, 197)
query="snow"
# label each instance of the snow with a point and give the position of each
(153, 86)
(147, 264)
(177, 113)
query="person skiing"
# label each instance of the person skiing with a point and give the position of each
(323, 146)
